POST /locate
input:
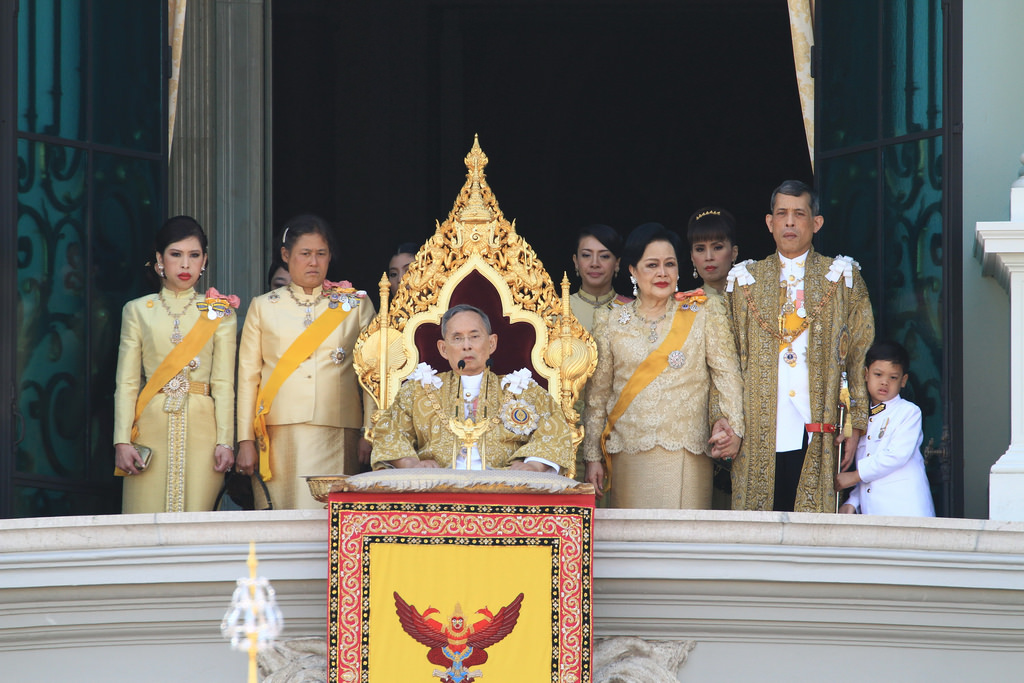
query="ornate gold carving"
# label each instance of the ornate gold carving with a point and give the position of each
(477, 236)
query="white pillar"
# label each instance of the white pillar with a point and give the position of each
(1000, 246)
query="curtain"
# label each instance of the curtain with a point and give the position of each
(176, 24)
(801, 26)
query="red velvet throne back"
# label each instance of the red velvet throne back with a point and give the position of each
(515, 340)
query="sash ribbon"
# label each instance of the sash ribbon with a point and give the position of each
(301, 349)
(173, 363)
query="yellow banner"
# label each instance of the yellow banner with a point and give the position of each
(437, 577)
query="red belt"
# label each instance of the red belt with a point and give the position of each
(820, 427)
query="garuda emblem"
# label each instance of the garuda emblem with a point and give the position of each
(458, 644)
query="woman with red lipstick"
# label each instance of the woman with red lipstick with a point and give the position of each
(300, 406)
(598, 248)
(711, 233)
(647, 403)
(174, 402)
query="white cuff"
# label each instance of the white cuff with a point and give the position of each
(550, 464)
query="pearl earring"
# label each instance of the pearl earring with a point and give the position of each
(160, 269)
(636, 292)
(695, 272)
(677, 284)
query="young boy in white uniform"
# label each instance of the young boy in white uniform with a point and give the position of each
(890, 477)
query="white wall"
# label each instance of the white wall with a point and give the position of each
(993, 138)
(766, 596)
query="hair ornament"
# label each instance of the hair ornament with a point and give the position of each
(709, 212)
(284, 235)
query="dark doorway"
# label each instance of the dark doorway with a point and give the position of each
(618, 112)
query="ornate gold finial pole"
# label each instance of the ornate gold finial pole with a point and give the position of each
(385, 321)
(565, 336)
(254, 634)
(253, 620)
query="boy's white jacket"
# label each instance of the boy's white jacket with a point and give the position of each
(891, 468)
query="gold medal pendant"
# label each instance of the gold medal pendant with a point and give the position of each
(790, 356)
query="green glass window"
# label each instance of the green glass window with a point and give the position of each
(880, 173)
(91, 191)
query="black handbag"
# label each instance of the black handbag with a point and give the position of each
(238, 487)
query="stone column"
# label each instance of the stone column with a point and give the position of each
(193, 164)
(242, 145)
(219, 168)
(1000, 246)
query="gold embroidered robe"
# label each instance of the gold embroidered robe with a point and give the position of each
(837, 340)
(180, 476)
(411, 426)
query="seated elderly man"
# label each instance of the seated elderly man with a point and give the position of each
(470, 418)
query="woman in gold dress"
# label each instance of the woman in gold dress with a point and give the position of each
(597, 256)
(711, 233)
(598, 248)
(186, 424)
(300, 406)
(647, 403)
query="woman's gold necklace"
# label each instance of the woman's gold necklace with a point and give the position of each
(596, 301)
(308, 305)
(176, 335)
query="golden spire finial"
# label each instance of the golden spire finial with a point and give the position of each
(475, 193)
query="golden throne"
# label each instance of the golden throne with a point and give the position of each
(475, 257)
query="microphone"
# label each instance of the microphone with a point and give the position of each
(462, 365)
(489, 363)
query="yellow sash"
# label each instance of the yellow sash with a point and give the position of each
(651, 367)
(301, 349)
(792, 323)
(173, 363)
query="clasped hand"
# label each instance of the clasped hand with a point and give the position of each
(725, 443)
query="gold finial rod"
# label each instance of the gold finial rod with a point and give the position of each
(385, 291)
(382, 367)
(253, 635)
(566, 334)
